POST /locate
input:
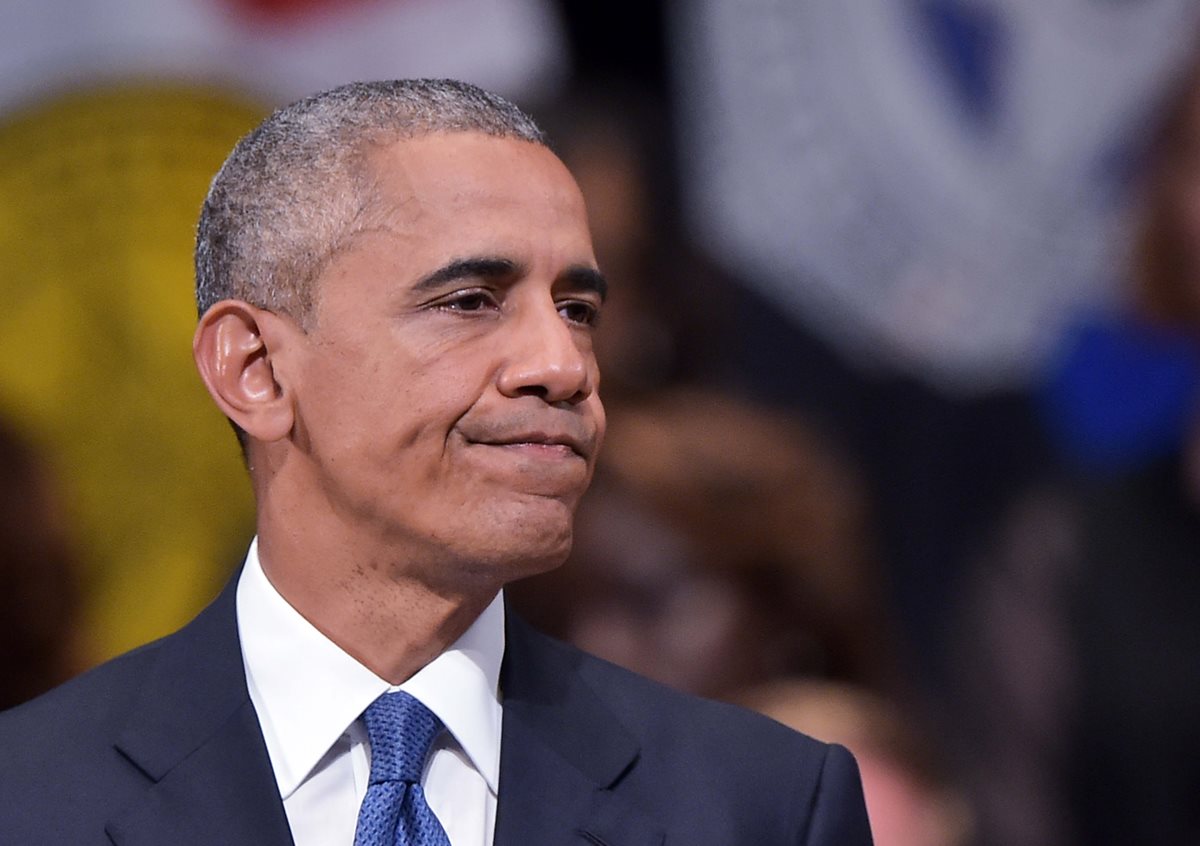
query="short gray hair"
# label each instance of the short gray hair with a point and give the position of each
(290, 192)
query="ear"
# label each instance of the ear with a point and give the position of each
(238, 349)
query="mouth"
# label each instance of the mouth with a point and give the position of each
(562, 437)
(549, 443)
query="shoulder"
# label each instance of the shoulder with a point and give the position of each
(103, 738)
(84, 709)
(63, 744)
(717, 767)
(681, 730)
(650, 710)
(89, 713)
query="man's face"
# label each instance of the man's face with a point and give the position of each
(445, 393)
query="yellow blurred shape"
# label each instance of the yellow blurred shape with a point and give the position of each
(99, 194)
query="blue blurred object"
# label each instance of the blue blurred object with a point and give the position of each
(967, 40)
(1123, 394)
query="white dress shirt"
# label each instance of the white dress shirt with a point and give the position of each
(309, 695)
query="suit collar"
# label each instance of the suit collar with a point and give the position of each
(308, 690)
(194, 733)
(564, 753)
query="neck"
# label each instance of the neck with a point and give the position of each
(367, 598)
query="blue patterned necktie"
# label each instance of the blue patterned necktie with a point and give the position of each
(394, 811)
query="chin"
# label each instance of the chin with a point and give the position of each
(527, 541)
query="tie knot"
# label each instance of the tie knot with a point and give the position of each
(401, 730)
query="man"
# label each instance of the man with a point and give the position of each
(398, 295)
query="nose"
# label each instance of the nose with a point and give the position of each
(547, 358)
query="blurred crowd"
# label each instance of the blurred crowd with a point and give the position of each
(988, 595)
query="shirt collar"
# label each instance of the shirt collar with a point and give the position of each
(308, 691)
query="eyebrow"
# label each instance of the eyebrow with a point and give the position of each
(584, 278)
(578, 276)
(468, 268)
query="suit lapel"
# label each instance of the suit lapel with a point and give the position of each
(194, 733)
(563, 753)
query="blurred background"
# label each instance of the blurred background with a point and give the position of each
(901, 361)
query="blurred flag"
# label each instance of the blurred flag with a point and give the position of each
(932, 184)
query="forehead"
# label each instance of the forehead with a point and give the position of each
(448, 200)
(460, 177)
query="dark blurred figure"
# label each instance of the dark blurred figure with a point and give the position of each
(39, 589)
(724, 545)
(1080, 660)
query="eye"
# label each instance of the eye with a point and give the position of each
(472, 300)
(579, 311)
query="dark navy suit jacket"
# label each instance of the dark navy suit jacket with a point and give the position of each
(162, 747)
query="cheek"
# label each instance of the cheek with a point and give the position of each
(598, 414)
(408, 417)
